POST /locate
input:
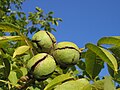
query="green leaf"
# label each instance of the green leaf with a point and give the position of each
(79, 84)
(13, 77)
(108, 83)
(21, 50)
(115, 76)
(98, 85)
(105, 55)
(115, 50)
(2, 72)
(50, 13)
(114, 40)
(39, 9)
(83, 54)
(93, 64)
(26, 57)
(81, 65)
(24, 70)
(59, 70)
(33, 88)
(55, 22)
(57, 80)
(7, 38)
(7, 27)
(87, 87)
(110, 70)
(7, 67)
(16, 69)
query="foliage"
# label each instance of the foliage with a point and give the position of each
(16, 49)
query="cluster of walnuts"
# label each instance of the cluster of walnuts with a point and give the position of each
(51, 54)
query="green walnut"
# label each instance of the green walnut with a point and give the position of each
(44, 41)
(66, 53)
(41, 65)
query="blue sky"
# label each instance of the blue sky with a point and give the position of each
(83, 20)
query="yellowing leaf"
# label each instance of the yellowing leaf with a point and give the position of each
(57, 80)
(111, 59)
(7, 38)
(7, 27)
(105, 55)
(21, 50)
(114, 40)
